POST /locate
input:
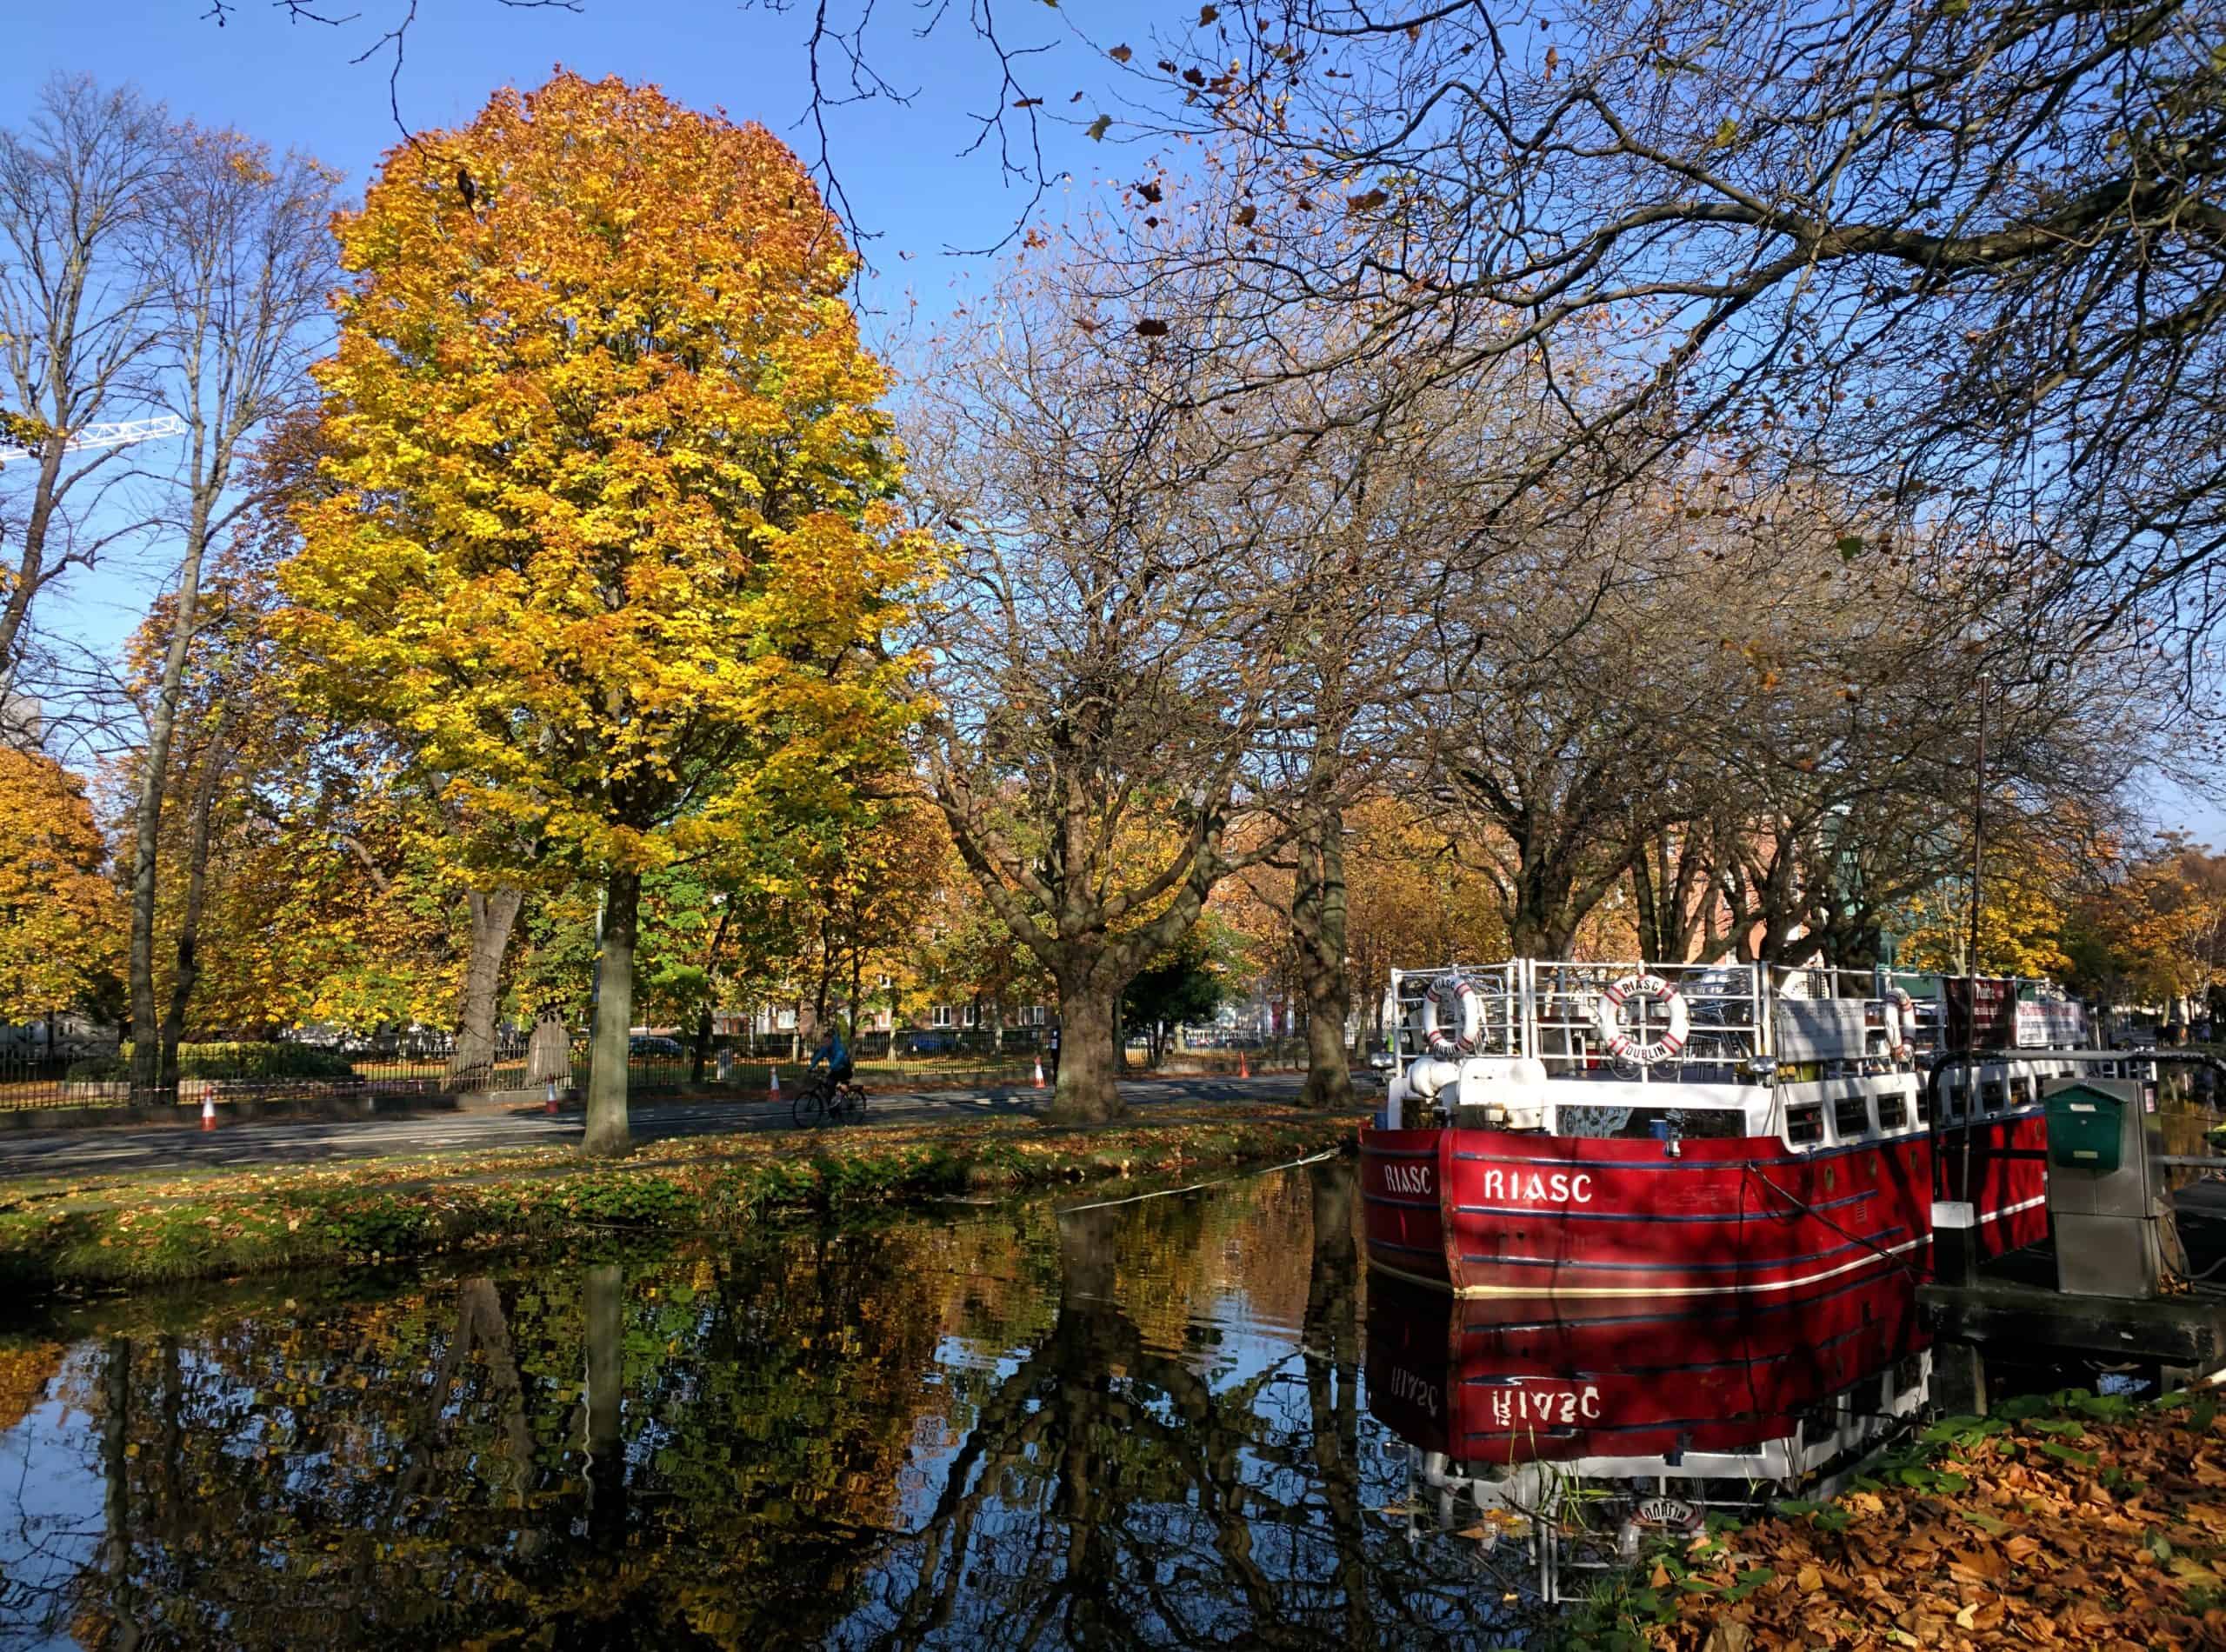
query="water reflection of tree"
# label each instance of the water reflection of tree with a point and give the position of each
(710, 1452)
(1109, 1494)
(461, 1465)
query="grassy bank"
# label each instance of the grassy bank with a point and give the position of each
(2072, 1520)
(139, 1231)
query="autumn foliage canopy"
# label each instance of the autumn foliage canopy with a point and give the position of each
(609, 531)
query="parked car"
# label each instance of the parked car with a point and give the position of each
(656, 1046)
(931, 1042)
(1382, 1061)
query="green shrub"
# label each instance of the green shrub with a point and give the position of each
(251, 1062)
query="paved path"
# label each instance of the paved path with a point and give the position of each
(171, 1148)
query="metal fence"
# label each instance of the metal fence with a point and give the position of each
(418, 1066)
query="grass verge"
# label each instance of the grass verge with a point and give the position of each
(2070, 1520)
(134, 1231)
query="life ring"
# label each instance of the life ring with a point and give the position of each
(1453, 993)
(1901, 1030)
(1608, 1019)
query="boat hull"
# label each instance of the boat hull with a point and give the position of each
(1608, 1220)
(1485, 1381)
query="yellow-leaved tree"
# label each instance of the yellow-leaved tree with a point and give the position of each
(2023, 912)
(609, 552)
(60, 917)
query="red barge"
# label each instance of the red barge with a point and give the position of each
(1595, 1135)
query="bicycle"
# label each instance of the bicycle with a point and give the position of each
(823, 1102)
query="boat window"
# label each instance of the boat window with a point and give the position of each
(1923, 1106)
(1851, 1115)
(1804, 1124)
(1893, 1111)
(2020, 1092)
(1990, 1095)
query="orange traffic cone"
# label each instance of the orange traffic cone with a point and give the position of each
(773, 1089)
(1244, 1065)
(208, 1112)
(552, 1108)
(1039, 1072)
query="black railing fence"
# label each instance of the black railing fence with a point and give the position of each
(419, 1063)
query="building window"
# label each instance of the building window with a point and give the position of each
(940, 1015)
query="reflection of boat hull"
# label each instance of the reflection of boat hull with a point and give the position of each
(1504, 1381)
(1498, 1213)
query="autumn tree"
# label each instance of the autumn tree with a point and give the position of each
(2024, 903)
(59, 930)
(2152, 925)
(1186, 983)
(244, 263)
(1964, 256)
(608, 543)
(80, 184)
(1102, 666)
(1416, 898)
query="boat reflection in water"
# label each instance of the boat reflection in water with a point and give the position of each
(1576, 1438)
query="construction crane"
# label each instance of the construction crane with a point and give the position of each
(124, 434)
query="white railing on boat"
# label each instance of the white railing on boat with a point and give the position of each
(1742, 1022)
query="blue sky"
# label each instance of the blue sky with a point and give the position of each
(291, 84)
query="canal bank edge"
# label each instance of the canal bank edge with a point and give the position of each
(146, 1230)
(2067, 1519)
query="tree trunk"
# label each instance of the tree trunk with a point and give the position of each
(606, 1327)
(1089, 1055)
(700, 1046)
(188, 971)
(702, 1042)
(116, 1451)
(1317, 927)
(154, 777)
(606, 1132)
(31, 570)
(494, 914)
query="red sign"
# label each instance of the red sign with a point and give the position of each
(1997, 1026)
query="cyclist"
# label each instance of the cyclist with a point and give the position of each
(836, 1055)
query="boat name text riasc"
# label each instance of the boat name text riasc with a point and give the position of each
(1561, 1187)
(1407, 1178)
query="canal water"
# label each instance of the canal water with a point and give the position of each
(1179, 1421)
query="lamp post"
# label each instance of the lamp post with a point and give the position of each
(1978, 868)
(1971, 1077)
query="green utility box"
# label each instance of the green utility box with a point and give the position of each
(2108, 1203)
(2086, 1127)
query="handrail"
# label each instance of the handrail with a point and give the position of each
(1968, 1058)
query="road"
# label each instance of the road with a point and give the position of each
(165, 1148)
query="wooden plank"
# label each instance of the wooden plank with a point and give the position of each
(2173, 1330)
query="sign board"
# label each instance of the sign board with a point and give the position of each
(2050, 1025)
(1997, 1025)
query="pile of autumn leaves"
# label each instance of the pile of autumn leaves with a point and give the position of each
(2099, 1524)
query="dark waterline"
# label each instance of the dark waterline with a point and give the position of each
(1140, 1424)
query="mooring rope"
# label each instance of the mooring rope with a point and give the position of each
(1794, 1199)
(1220, 1180)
